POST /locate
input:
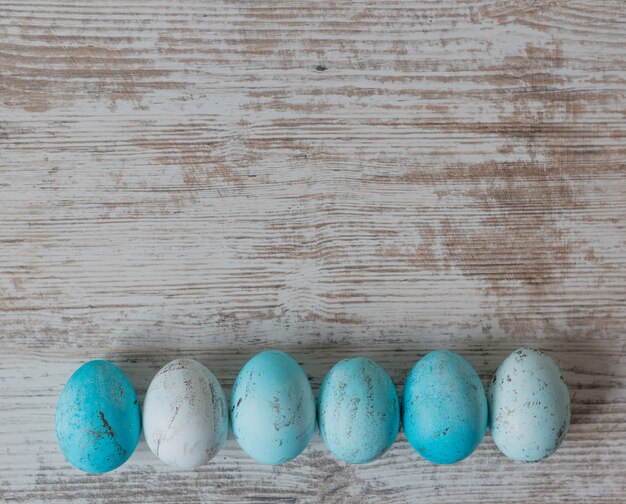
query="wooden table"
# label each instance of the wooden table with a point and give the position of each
(377, 178)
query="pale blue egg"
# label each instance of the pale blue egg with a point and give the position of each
(444, 408)
(98, 420)
(358, 410)
(272, 408)
(529, 406)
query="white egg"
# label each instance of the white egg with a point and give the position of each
(185, 416)
(529, 406)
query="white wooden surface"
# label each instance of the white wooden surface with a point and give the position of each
(376, 178)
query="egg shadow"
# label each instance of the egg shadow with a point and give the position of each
(587, 369)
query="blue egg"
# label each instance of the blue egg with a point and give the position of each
(98, 420)
(444, 408)
(358, 410)
(272, 408)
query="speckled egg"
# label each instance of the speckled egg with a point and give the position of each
(529, 406)
(185, 416)
(444, 408)
(98, 420)
(358, 410)
(272, 408)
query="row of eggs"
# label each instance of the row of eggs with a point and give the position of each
(273, 413)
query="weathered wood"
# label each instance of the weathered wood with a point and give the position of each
(330, 178)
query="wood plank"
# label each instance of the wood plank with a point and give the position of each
(329, 178)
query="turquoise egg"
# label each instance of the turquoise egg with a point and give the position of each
(98, 420)
(272, 408)
(529, 406)
(358, 410)
(444, 408)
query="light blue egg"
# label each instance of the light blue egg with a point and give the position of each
(444, 408)
(529, 406)
(358, 410)
(98, 420)
(272, 408)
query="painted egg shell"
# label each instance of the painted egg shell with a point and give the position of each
(529, 406)
(358, 410)
(444, 408)
(98, 420)
(272, 408)
(185, 416)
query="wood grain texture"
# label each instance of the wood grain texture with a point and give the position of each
(376, 178)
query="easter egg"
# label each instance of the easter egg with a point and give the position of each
(272, 408)
(529, 406)
(98, 420)
(358, 410)
(444, 408)
(185, 416)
